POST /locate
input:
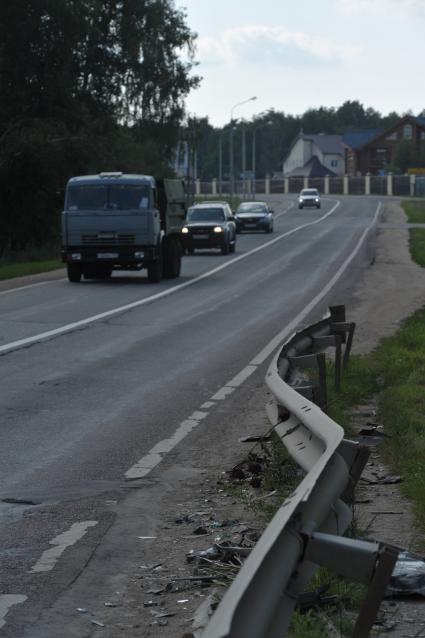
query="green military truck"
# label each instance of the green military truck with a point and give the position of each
(114, 221)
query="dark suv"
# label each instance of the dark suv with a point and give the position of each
(210, 225)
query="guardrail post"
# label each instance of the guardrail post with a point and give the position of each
(198, 186)
(267, 185)
(305, 182)
(313, 361)
(286, 185)
(412, 185)
(346, 185)
(214, 186)
(321, 343)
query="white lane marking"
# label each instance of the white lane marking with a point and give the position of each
(60, 543)
(241, 377)
(207, 405)
(198, 416)
(222, 394)
(6, 602)
(40, 283)
(153, 458)
(14, 345)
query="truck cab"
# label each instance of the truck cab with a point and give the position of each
(117, 221)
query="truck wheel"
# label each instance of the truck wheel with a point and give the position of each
(172, 259)
(155, 271)
(225, 248)
(74, 272)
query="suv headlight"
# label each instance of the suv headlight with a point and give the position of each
(218, 229)
(185, 230)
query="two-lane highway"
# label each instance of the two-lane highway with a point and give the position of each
(101, 380)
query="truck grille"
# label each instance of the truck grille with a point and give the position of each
(110, 239)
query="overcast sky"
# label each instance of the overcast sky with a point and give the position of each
(296, 54)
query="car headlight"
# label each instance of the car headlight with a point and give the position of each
(185, 230)
(317, 199)
(218, 229)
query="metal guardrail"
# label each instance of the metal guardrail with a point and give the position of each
(306, 532)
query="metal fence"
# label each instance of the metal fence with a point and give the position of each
(306, 532)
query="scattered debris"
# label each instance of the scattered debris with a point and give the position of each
(19, 501)
(82, 610)
(204, 613)
(408, 578)
(223, 552)
(317, 598)
(199, 531)
(97, 623)
(373, 430)
(110, 604)
(253, 438)
(146, 538)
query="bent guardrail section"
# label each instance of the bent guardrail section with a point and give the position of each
(306, 531)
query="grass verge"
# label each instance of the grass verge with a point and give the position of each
(415, 211)
(395, 373)
(22, 268)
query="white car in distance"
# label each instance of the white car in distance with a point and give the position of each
(309, 197)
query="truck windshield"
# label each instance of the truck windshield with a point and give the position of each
(108, 197)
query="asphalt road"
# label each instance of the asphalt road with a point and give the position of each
(100, 380)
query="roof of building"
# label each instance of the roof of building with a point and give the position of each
(356, 139)
(420, 120)
(328, 144)
(313, 168)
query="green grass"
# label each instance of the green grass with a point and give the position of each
(394, 373)
(415, 211)
(22, 268)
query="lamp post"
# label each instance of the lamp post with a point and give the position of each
(231, 154)
(269, 123)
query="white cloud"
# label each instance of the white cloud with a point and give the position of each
(397, 8)
(258, 44)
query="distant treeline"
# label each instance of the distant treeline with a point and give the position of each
(86, 86)
(275, 132)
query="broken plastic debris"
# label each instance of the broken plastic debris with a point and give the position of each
(146, 538)
(110, 604)
(408, 577)
(97, 623)
(200, 531)
(254, 438)
(82, 610)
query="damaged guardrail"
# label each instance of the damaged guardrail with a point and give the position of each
(306, 532)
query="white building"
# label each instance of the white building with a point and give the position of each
(315, 156)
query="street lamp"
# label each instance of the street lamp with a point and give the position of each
(231, 168)
(269, 123)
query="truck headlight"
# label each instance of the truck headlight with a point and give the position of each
(218, 229)
(185, 230)
(76, 256)
(139, 254)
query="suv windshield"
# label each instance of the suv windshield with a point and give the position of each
(310, 193)
(205, 215)
(108, 197)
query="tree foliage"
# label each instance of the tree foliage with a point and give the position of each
(276, 132)
(86, 85)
